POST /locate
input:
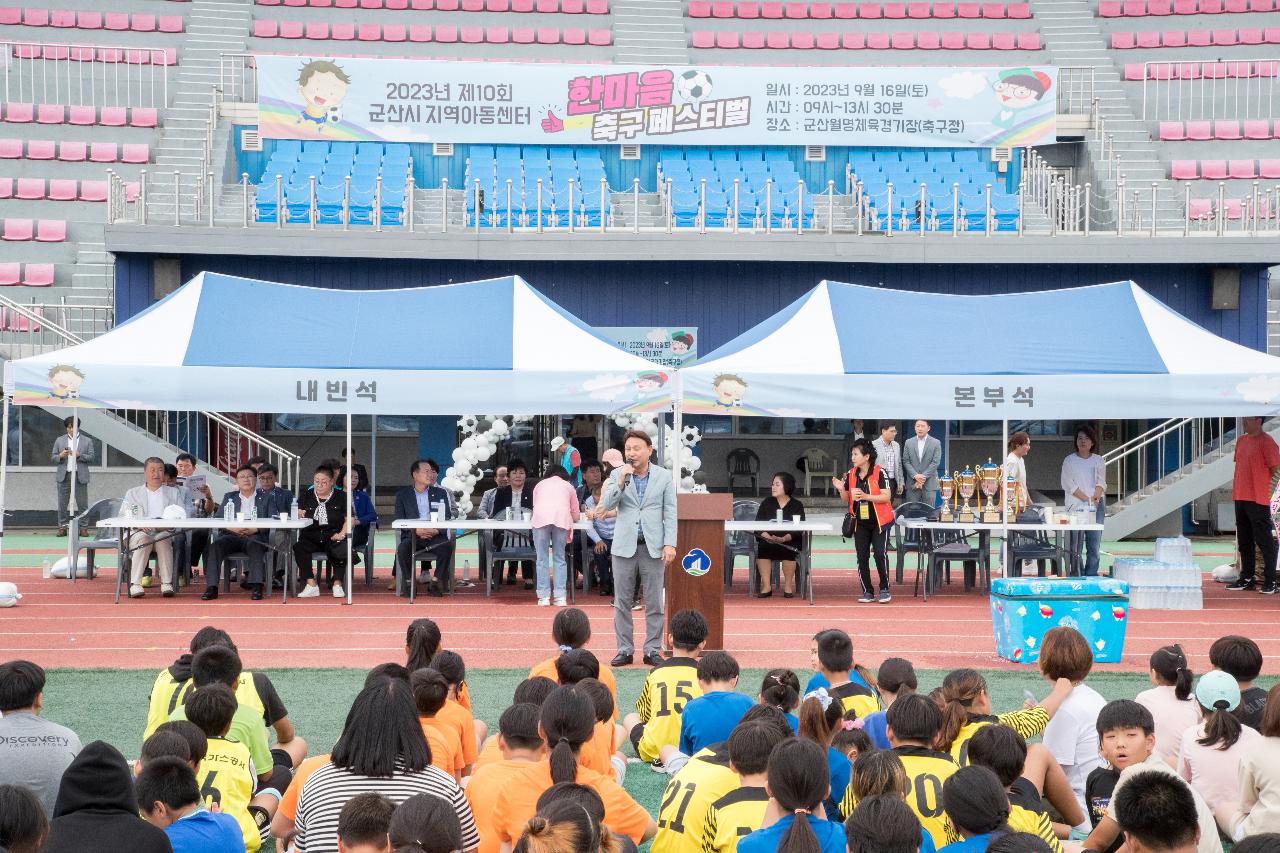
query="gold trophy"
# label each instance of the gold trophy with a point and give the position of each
(1012, 498)
(966, 485)
(947, 488)
(989, 480)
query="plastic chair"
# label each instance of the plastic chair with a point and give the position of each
(1034, 545)
(516, 547)
(907, 540)
(743, 462)
(816, 462)
(99, 539)
(740, 543)
(945, 547)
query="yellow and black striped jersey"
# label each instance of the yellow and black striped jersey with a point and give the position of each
(739, 812)
(668, 688)
(859, 698)
(1036, 823)
(1028, 722)
(226, 779)
(704, 779)
(926, 770)
(168, 693)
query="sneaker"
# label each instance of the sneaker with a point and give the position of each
(637, 607)
(867, 598)
(1268, 589)
(146, 581)
(136, 591)
(338, 591)
(1243, 585)
(544, 602)
(885, 596)
(309, 591)
(166, 589)
(561, 601)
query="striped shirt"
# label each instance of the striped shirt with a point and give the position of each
(329, 788)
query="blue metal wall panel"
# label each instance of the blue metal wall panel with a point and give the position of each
(725, 298)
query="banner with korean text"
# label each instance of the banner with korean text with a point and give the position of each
(404, 100)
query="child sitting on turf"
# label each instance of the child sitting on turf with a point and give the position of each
(531, 690)
(711, 717)
(853, 685)
(226, 775)
(977, 807)
(363, 824)
(882, 774)
(425, 823)
(820, 719)
(742, 810)
(913, 722)
(667, 689)
(421, 645)
(1258, 809)
(1212, 751)
(797, 784)
(601, 752)
(781, 689)
(883, 824)
(851, 741)
(164, 744)
(575, 665)
(1003, 751)
(169, 799)
(966, 707)
(521, 745)
(1241, 658)
(1126, 737)
(895, 677)
(470, 730)
(571, 629)
(430, 693)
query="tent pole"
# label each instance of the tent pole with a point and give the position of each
(73, 529)
(677, 425)
(351, 527)
(1004, 514)
(373, 461)
(4, 470)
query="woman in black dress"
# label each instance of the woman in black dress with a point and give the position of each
(781, 546)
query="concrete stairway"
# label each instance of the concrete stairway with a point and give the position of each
(649, 32)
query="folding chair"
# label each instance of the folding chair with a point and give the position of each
(741, 543)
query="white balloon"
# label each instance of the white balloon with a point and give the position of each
(470, 441)
(483, 453)
(499, 427)
(459, 455)
(693, 463)
(687, 483)
(465, 506)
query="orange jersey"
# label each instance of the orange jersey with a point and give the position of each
(454, 714)
(517, 802)
(547, 669)
(596, 752)
(289, 802)
(446, 747)
(482, 793)
(464, 697)
(489, 754)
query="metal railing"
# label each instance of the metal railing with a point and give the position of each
(85, 74)
(215, 438)
(1075, 89)
(238, 78)
(1136, 466)
(1183, 91)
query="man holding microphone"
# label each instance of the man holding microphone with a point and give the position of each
(644, 543)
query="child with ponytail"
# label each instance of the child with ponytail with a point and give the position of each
(821, 717)
(565, 826)
(978, 807)
(1210, 753)
(570, 630)
(781, 689)
(798, 783)
(966, 707)
(424, 824)
(1170, 701)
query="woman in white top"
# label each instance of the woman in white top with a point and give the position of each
(1084, 484)
(1072, 734)
(1258, 810)
(1212, 751)
(1170, 701)
(1015, 465)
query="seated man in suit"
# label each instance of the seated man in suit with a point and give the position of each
(432, 540)
(516, 496)
(249, 500)
(150, 501)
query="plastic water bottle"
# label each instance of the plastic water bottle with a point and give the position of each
(228, 511)
(293, 510)
(46, 571)
(466, 570)
(253, 511)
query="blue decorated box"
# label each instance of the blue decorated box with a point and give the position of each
(1023, 609)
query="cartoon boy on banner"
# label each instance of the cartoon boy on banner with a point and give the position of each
(1020, 93)
(322, 85)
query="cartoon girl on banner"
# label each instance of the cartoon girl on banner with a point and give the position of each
(1023, 111)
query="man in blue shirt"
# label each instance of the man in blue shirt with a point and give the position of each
(169, 799)
(711, 717)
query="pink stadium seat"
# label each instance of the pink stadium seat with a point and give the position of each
(1213, 70)
(20, 112)
(40, 18)
(136, 152)
(853, 41)
(1210, 7)
(1251, 36)
(600, 37)
(493, 35)
(771, 11)
(1147, 39)
(29, 189)
(1134, 8)
(1224, 38)
(777, 41)
(82, 54)
(55, 51)
(143, 23)
(317, 30)
(1186, 7)
(51, 230)
(51, 114)
(1269, 68)
(1199, 38)
(422, 5)
(27, 51)
(6, 187)
(820, 11)
(10, 149)
(919, 10)
(902, 41)
(1235, 7)
(521, 6)
(993, 10)
(1213, 170)
(576, 35)
(1226, 130)
(548, 35)
(10, 16)
(73, 151)
(877, 41)
(342, 31)
(473, 5)
(364, 32)
(1184, 170)
(266, 29)
(1121, 41)
(1003, 41)
(63, 189)
(753, 40)
(18, 229)
(9, 274)
(364, 4)
(1269, 169)
(1199, 131)
(952, 41)
(522, 35)
(37, 275)
(422, 33)
(113, 117)
(846, 11)
(1134, 71)
(722, 9)
(794, 10)
(497, 5)
(969, 10)
(1028, 41)
(1173, 38)
(447, 34)
(169, 23)
(802, 41)
(115, 21)
(896, 11)
(1159, 7)
(89, 190)
(1257, 129)
(749, 11)
(399, 32)
(40, 149)
(928, 40)
(1241, 170)
(1234, 208)
(82, 115)
(103, 152)
(1262, 6)
(699, 9)
(62, 18)
(1172, 131)
(89, 20)
(168, 56)
(870, 10)
(543, 6)
(568, 7)
(726, 40)
(977, 41)
(597, 7)
(1162, 70)
(944, 10)
(827, 41)
(1019, 11)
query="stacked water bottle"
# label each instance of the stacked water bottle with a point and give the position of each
(1169, 581)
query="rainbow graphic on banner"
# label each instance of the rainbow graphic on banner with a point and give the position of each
(1032, 132)
(282, 120)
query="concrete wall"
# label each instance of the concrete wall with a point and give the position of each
(31, 494)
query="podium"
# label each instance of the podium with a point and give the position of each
(695, 579)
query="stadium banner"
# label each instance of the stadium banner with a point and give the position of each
(668, 346)
(409, 100)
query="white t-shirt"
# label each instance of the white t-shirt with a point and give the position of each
(1209, 842)
(1072, 738)
(1016, 466)
(1083, 474)
(155, 503)
(1214, 772)
(1173, 716)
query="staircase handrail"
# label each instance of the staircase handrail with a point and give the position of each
(1150, 436)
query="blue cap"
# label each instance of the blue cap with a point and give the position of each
(1218, 691)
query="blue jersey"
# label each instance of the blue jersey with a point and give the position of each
(841, 769)
(874, 725)
(973, 844)
(819, 680)
(202, 831)
(831, 837)
(710, 719)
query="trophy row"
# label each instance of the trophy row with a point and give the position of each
(959, 488)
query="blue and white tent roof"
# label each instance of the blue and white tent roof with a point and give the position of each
(1109, 350)
(235, 344)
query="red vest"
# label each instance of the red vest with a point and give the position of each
(884, 511)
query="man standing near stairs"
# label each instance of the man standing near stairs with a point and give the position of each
(72, 453)
(1257, 461)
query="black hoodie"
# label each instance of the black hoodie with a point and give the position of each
(97, 811)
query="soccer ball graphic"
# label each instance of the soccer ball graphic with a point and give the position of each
(694, 85)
